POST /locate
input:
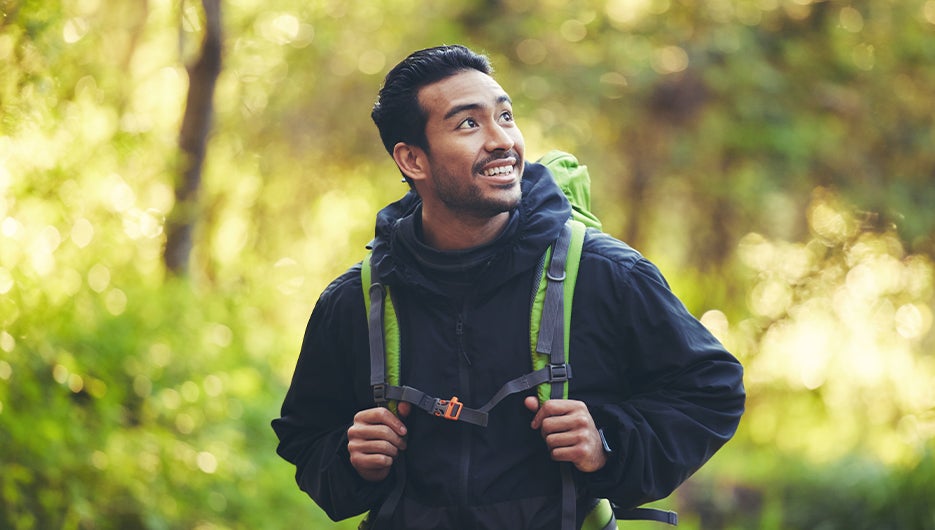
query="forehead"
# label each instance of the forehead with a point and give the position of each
(467, 88)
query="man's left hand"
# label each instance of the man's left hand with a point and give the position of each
(569, 432)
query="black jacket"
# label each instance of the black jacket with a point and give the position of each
(665, 392)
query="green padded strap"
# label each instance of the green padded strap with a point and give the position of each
(601, 517)
(383, 327)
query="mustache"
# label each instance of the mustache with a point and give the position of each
(499, 156)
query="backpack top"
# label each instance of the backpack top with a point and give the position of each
(575, 182)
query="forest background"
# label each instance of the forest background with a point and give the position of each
(180, 180)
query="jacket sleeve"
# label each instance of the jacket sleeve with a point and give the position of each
(681, 396)
(322, 400)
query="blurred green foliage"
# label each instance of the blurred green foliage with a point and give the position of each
(773, 156)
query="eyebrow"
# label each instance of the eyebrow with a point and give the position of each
(474, 106)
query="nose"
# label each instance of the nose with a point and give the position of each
(500, 139)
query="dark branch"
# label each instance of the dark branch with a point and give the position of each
(193, 139)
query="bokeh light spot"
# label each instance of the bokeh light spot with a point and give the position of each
(851, 19)
(371, 62)
(531, 51)
(207, 462)
(7, 342)
(573, 30)
(6, 281)
(6, 370)
(115, 301)
(98, 277)
(913, 321)
(670, 60)
(82, 232)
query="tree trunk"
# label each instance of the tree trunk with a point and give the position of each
(193, 139)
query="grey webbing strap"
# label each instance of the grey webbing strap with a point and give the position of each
(569, 497)
(549, 374)
(551, 341)
(385, 513)
(453, 409)
(450, 409)
(377, 347)
(380, 397)
(552, 305)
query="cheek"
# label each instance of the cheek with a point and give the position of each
(518, 139)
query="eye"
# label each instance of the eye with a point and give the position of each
(469, 123)
(506, 115)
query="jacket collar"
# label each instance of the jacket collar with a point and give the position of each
(401, 258)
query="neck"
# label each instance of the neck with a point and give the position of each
(462, 232)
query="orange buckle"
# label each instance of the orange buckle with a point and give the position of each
(448, 409)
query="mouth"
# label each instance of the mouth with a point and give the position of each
(502, 170)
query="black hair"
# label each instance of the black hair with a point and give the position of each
(397, 113)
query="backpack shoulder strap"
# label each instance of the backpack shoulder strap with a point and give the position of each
(550, 331)
(550, 315)
(383, 328)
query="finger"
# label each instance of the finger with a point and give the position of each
(563, 406)
(575, 454)
(373, 447)
(585, 456)
(404, 409)
(565, 422)
(362, 432)
(552, 410)
(371, 461)
(381, 416)
(564, 439)
(371, 467)
(541, 411)
(532, 404)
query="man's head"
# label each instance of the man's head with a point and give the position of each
(449, 127)
(397, 113)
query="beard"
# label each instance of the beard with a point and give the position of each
(468, 197)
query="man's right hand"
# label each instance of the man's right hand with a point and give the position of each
(375, 440)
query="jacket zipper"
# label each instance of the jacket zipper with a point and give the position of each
(459, 332)
(465, 385)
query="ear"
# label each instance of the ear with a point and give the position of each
(411, 160)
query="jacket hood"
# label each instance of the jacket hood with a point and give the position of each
(399, 257)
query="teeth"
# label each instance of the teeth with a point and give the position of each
(500, 170)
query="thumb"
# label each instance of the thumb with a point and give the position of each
(404, 409)
(532, 403)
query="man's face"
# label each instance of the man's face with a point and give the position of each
(475, 150)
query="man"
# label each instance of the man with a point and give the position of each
(653, 394)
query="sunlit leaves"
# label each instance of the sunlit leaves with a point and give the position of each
(844, 316)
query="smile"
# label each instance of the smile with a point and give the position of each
(499, 171)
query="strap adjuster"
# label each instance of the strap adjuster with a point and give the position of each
(379, 393)
(555, 277)
(559, 373)
(450, 409)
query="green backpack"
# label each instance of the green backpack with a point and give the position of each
(549, 332)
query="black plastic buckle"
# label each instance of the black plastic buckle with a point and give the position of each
(559, 373)
(379, 393)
